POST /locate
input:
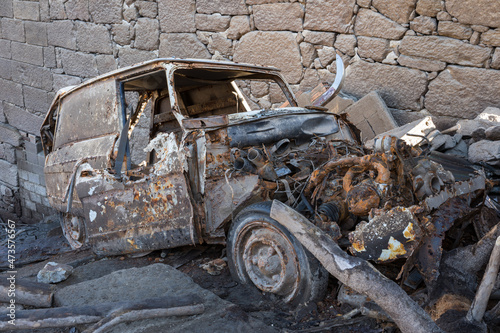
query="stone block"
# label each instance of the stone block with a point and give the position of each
(93, 38)
(128, 56)
(31, 157)
(40, 190)
(463, 91)
(35, 76)
(9, 173)
(279, 49)
(279, 16)
(23, 175)
(61, 81)
(62, 33)
(31, 54)
(319, 37)
(77, 10)
(33, 147)
(5, 49)
(147, 33)
(238, 26)
(218, 43)
(26, 10)
(105, 63)
(13, 29)
(429, 7)
(346, 44)
(6, 68)
(2, 114)
(10, 135)
(182, 45)
(35, 198)
(177, 16)
(225, 7)
(36, 99)
(29, 204)
(7, 152)
(6, 9)
(475, 38)
(372, 24)
(105, 11)
(399, 11)
(371, 116)
(147, 8)
(57, 11)
(130, 12)
(421, 63)
(485, 151)
(444, 49)
(310, 80)
(22, 119)
(11, 92)
(443, 16)
(214, 22)
(329, 15)
(122, 33)
(36, 33)
(77, 63)
(308, 53)
(373, 48)
(326, 55)
(491, 37)
(454, 30)
(483, 12)
(49, 57)
(35, 168)
(364, 3)
(400, 87)
(424, 24)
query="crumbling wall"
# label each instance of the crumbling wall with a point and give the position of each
(442, 56)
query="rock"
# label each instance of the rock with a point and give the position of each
(177, 16)
(278, 16)
(122, 33)
(105, 11)
(221, 44)
(371, 116)
(429, 7)
(373, 48)
(463, 91)
(419, 128)
(467, 126)
(147, 8)
(421, 63)
(495, 59)
(485, 151)
(308, 53)
(492, 133)
(460, 150)
(279, 49)
(398, 11)
(54, 273)
(238, 27)
(443, 16)
(147, 33)
(182, 45)
(319, 37)
(478, 134)
(326, 55)
(399, 87)
(444, 49)
(424, 25)
(475, 38)
(346, 44)
(491, 37)
(372, 24)
(215, 22)
(454, 30)
(328, 15)
(364, 3)
(490, 114)
(442, 142)
(225, 7)
(483, 12)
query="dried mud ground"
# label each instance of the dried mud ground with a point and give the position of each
(229, 306)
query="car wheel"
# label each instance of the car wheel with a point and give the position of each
(73, 228)
(263, 252)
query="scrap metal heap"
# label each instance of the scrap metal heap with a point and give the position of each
(390, 203)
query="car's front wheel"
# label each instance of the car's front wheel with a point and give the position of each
(263, 252)
(73, 229)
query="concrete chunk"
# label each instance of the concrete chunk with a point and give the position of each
(54, 273)
(421, 127)
(371, 116)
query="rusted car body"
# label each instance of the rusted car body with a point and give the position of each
(209, 157)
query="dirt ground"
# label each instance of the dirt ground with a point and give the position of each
(249, 309)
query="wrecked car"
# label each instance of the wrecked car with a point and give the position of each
(219, 142)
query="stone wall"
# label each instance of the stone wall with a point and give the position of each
(442, 56)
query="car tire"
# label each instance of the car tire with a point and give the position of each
(73, 228)
(263, 252)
